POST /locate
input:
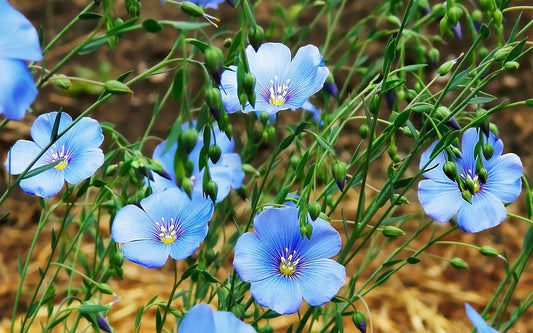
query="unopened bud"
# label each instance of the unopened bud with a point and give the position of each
(214, 59)
(483, 175)
(488, 251)
(268, 328)
(308, 230)
(497, 15)
(62, 81)
(214, 153)
(116, 87)
(392, 232)
(470, 185)
(330, 86)
(467, 196)
(255, 36)
(133, 7)
(454, 14)
(211, 190)
(188, 139)
(434, 55)
(502, 53)
(363, 131)
(400, 200)
(314, 210)
(187, 185)
(450, 170)
(511, 66)
(248, 83)
(459, 263)
(443, 25)
(359, 321)
(192, 9)
(488, 150)
(477, 15)
(103, 324)
(339, 173)
(446, 67)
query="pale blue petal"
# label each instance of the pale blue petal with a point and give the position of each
(166, 158)
(208, 3)
(198, 319)
(83, 165)
(279, 293)
(253, 261)
(221, 139)
(497, 144)
(160, 183)
(227, 322)
(270, 60)
(18, 37)
(325, 242)
(131, 224)
(194, 212)
(45, 184)
(486, 211)
(41, 130)
(190, 240)
(222, 176)
(435, 171)
(440, 201)
(320, 280)
(228, 90)
(309, 107)
(478, 321)
(147, 253)
(20, 156)
(504, 178)
(468, 144)
(17, 89)
(86, 133)
(165, 204)
(278, 228)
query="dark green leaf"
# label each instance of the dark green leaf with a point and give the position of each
(177, 83)
(89, 16)
(152, 26)
(516, 51)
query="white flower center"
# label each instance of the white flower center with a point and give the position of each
(60, 154)
(471, 176)
(278, 91)
(288, 263)
(167, 232)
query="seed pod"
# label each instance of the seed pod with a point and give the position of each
(502, 53)
(116, 87)
(188, 139)
(255, 36)
(450, 170)
(314, 210)
(392, 232)
(445, 67)
(488, 150)
(363, 131)
(211, 189)
(511, 66)
(459, 263)
(488, 251)
(62, 81)
(214, 153)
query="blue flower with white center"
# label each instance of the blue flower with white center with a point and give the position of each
(75, 153)
(283, 267)
(208, 3)
(281, 82)
(478, 321)
(201, 318)
(489, 184)
(226, 173)
(167, 223)
(18, 43)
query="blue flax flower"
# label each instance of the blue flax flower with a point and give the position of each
(478, 321)
(77, 150)
(201, 318)
(226, 173)
(166, 223)
(18, 43)
(281, 83)
(283, 267)
(442, 198)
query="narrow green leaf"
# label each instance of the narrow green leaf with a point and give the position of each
(152, 26)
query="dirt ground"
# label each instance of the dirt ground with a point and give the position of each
(427, 297)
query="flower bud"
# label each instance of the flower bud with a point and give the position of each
(268, 328)
(470, 185)
(339, 173)
(363, 131)
(399, 199)
(494, 129)
(446, 67)
(373, 105)
(308, 230)
(434, 55)
(214, 59)
(248, 83)
(497, 15)
(454, 14)
(303, 230)
(227, 42)
(214, 153)
(467, 196)
(487, 5)
(359, 321)
(116, 87)
(330, 86)
(511, 66)
(488, 150)
(314, 210)
(103, 324)
(211, 189)
(477, 15)
(192, 9)
(188, 139)
(255, 36)
(483, 175)
(189, 168)
(238, 311)
(502, 53)
(458, 263)
(488, 251)
(444, 25)
(133, 7)
(61, 81)
(450, 170)
(187, 185)
(392, 232)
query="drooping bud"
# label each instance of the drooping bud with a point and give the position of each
(483, 174)
(359, 321)
(457, 32)
(189, 168)
(213, 100)
(314, 210)
(450, 170)
(459, 263)
(62, 81)
(467, 196)
(308, 230)
(133, 7)
(103, 324)
(488, 251)
(454, 14)
(392, 232)
(434, 55)
(390, 97)
(477, 17)
(188, 139)
(488, 150)
(214, 59)
(339, 173)
(186, 185)
(214, 153)
(400, 200)
(255, 36)
(363, 131)
(470, 185)
(116, 87)
(268, 328)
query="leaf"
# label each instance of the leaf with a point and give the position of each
(515, 52)
(93, 308)
(43, 168)
(186, 26)
(383, 277)
(89, 16)
(412, 260)
(152, 26)
(459, 79)
(177, 83)
(481, 100)
(322, 143)
(93, 45)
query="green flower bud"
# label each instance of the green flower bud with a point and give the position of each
(502, 53)
(227, 43)
(488, 251)
(255, 36)
(444, 25)
(339, 173)
(483, 174)
(494, 129)
(243, 98)
(308, 230)
(488, 150)
(477, 15)
(249, 169)
(467, 196)
(470, 185)
(399, 199)
(248, 83)
(186, 185)
(265, 329)
(486, 5)
(314, 210)
(188, 139)
(303, 230)
(446, 67)
(238, 311)
(359, 321)
(511, 66)
(483, 52)
(458, 263)
(442, 112)
(294, 161)
(189, 168)
(213, 98)
(214, 153)
(211, 190)
(192, 9)
(454, 14)
(62, 81)
(363, 131)
(497, 15)
(111, 170)
(104, 288)
(373, 105)
(116, 87)
(392, 232)
(434, 55)
(133, 7)
(214, 58)
(450, 170)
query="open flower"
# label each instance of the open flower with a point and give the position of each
(481, 187)
(201, 318)
(166, 223)
(281, 83)
(18, 42)
(283, 267)
(75, 156)
(226, 173)
(478, 321)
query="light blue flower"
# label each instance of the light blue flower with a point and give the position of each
(166, 223)
(226, 173)
(18, 43)
(283, 267)
(478, 321)
(77, 148)
(442, 197)
(201, 318)
(207, 3)
(281, 83)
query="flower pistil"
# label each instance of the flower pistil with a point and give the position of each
(167, 234)
(288, 263)
(278, 91)
(62, 155)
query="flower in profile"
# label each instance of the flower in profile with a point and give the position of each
(226, 172)
(73, 157)
(478, 321)
(167, 223)
(283, 267)
(18, 43)
(281, 83)
(201, 318)
(474, 185)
